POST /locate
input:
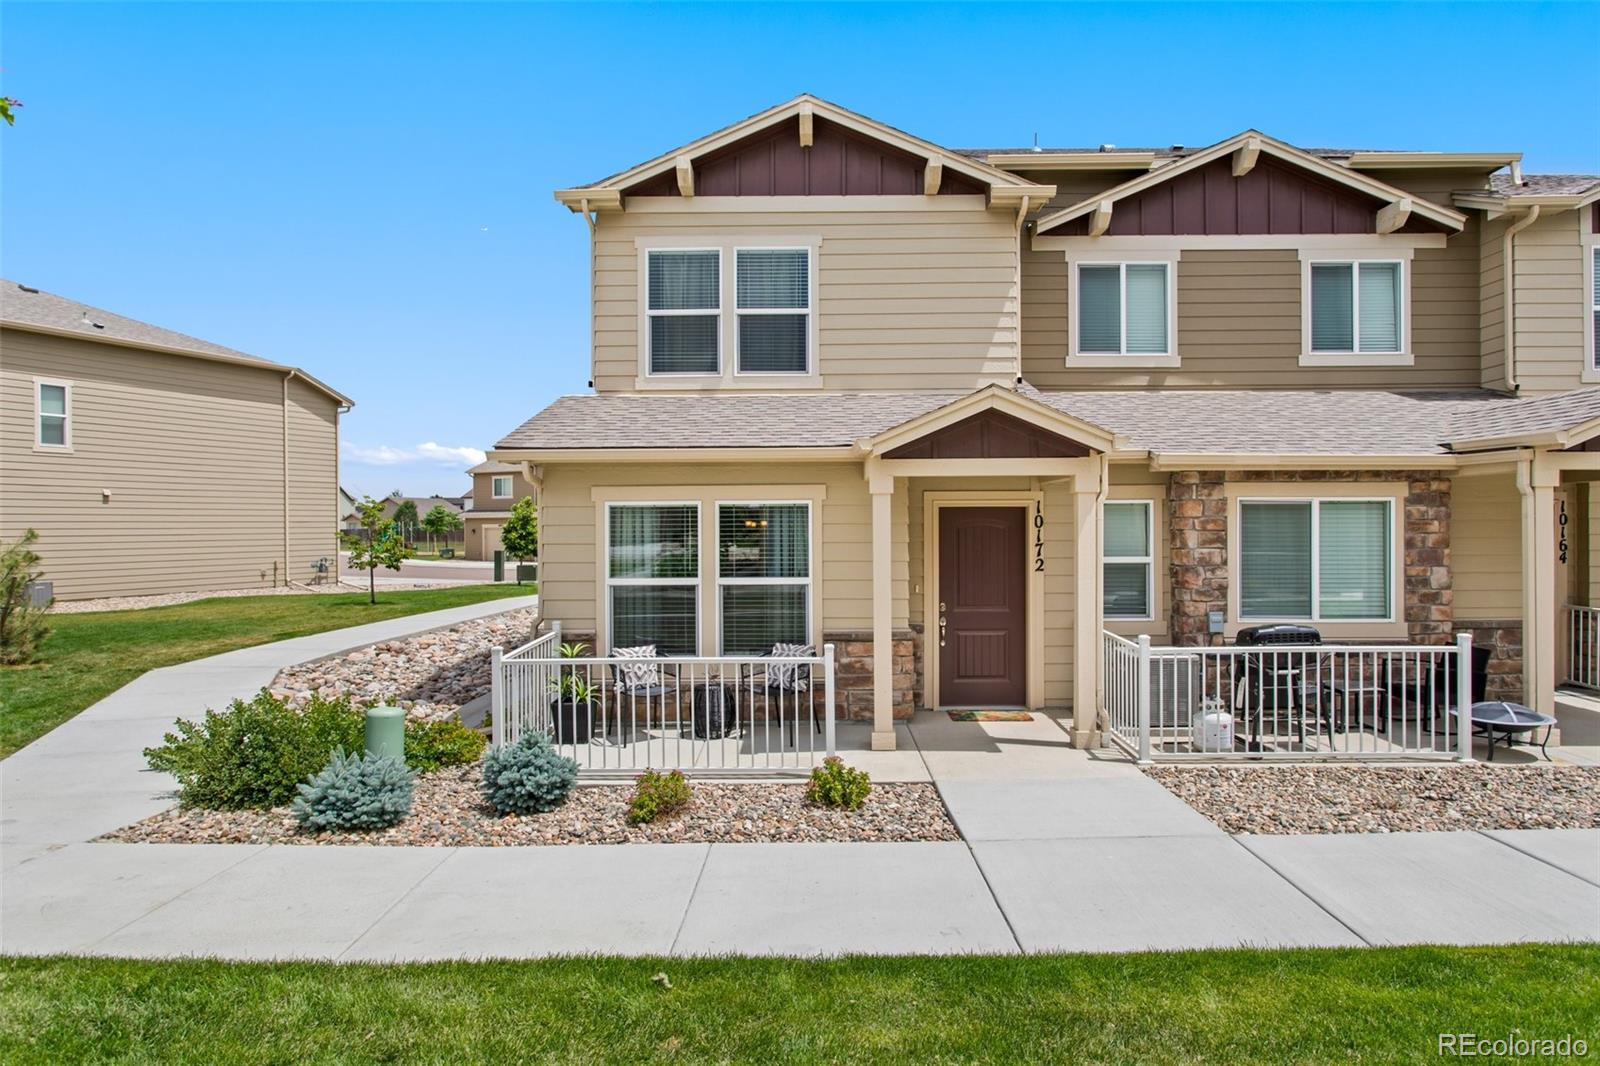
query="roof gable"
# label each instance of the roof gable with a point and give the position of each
(990, 434)
(1225, 173)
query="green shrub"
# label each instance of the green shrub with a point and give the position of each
(833, 784)
(527, 777)
(356, 792)
(22, 625)
(256, 753)
(435, 745)
(657, 795)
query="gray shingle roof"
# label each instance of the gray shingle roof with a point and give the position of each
(1174, 151)
(1545, 184)
(27, 307)
(1325, 423)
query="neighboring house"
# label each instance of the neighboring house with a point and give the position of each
(495, 487)
(466, 500)
(961, 413)
(424, 504)
(152, 462)
(347, 505)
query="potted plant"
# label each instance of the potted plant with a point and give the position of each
(571, 706)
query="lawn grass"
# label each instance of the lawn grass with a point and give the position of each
(1348, 1005)
(89, 656)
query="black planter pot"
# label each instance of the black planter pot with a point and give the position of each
(572, 720)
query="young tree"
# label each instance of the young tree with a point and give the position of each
(520, 535)
(22, 626)
(440, 522)
(378, 544)
(405, 517)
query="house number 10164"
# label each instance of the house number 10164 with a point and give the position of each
(1038, 537)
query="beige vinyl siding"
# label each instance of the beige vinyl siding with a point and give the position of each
(1239, 324)
(1550, 307)
(842, 586)
(906, 299)
(192, 453)
(1486, 547)
(1492, 304)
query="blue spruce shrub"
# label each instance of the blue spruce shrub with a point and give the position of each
(527, 777)
(355, 792)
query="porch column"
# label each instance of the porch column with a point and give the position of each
(1539, 593)
(1087, 622)
(881, 487)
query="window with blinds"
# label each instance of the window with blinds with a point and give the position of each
(653, 576)
(1123, 309)
(763, 576)
(1594, 300)
(1355, 307)
(1128, 561)
(1323, 560)
(774, 310)
(683, 304)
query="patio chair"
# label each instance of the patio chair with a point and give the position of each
(1428, 690)
(1275, 683)
(786, 683)
(647, 679)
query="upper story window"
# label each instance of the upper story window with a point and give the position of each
(1355, 311)
(684, 308)
(1594, 308)
(53, 414)
(774, 310)
(1123, 314)
(500, 486)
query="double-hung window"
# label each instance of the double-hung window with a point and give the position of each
(773, 310)
(763, 576)
(1594, 307)
(684, 310)
(1357, 307)
(1129, 561)
(500, 486)
(1320, 560)
(653, 576)
(1123, 309)
(53, 407)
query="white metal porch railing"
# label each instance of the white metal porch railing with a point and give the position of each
(717, 715)
(1324, 702)
(1583, 646)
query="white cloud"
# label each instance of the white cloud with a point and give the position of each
(426, 452)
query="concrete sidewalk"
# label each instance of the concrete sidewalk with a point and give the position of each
(1065, 850)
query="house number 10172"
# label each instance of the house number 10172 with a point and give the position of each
(1038, 537)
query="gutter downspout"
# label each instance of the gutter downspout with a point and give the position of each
(591, 219)
(1022, 218)
(1508, 273)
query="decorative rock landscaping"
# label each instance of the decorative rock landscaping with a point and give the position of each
(448, 810)
(1387, 799)
(430, 675)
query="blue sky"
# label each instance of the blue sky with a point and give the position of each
(364, 190)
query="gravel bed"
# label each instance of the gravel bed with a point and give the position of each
(1387, 799)
(168, 599)
(430, 675)
(447, 810)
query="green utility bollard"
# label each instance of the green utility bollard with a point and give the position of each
(499, 566)
(386, 732)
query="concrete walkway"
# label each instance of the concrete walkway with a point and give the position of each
(1065, 851)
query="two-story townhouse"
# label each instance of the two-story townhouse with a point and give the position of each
(496, 487)
(963, 413)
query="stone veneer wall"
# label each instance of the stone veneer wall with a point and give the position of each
(852, 685)
(1504, 638)
(1197, 514)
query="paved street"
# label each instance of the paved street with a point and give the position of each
(1065, 850)
(417, 571)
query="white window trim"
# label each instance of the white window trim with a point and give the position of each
(38, 415)
(1131, 360)
(811, 318)
(1590, 373)
(494, 487)
(647, 335)
(727, 375)
(811, 562)
(1148, 559)
(1310, 256)
(1396, 556)
(612, 582)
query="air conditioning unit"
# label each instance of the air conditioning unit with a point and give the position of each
(1176, 684)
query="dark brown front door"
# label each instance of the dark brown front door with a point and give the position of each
(982, 621)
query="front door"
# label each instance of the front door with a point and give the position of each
(983, 619)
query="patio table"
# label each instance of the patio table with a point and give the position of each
(1509, 719)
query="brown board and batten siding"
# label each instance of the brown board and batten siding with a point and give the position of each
(908, 297)
(1239, 310)
(192, 454)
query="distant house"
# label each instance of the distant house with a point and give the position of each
(495, 487)
(150, 461)
(347, 504)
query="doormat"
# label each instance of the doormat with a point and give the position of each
(989, 716)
